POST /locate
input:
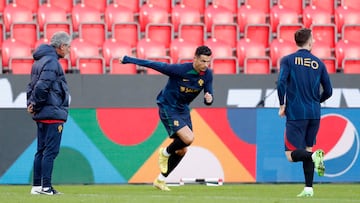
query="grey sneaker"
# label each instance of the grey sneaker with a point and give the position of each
(50, 191)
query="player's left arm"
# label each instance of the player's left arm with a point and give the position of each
(208, 90)
(326, 86)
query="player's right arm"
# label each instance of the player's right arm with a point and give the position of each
(162, 67)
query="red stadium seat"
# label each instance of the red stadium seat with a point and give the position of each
(351, 33)
(261, 5)
(99, 5)
(281, 15)
(280, 48)
(219, 49)
(90, 65)
(346, 49)
(199, 5)
(228, 33)
(2, 33)
(286, 31)
(231, 5)
(217, 15)
(113, 48)
(257, 65)
(21, 65)
(164, 4)
(248, 15)
(182, 14)
(82, 13)
(146, 48)
(93, 32)
(331, 64)
(346, 16)
(12, 48)
(260, 33)
(118, 14)
(247, 48)
(41, 41)
(48, 13)
(2, 6)
(152, 14)
(118, 68)
(351, 66)
(14, 13)
(30, 30)
(195, 33)
(126, 32)
(324, 33)
(327, 5)
(162, 33)
(351, 3)
(65, 64)
(295, 5)
(82, 48)
(314, 15)
(185, 60)
(224, 65)
(67, 5)
(30, 4)
(322, 49)
(133, 5)
(51, 28)
(181, 49)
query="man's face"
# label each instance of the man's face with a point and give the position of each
(202, 62)
(64, 50)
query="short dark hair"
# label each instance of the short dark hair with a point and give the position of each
(302, 36)
(203, 50)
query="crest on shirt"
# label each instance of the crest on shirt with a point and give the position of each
(201, 82)
(60, 128)
(176, 123)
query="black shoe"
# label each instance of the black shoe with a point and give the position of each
(50, 191)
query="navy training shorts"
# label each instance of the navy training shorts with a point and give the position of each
(300, 134)
(174, 121)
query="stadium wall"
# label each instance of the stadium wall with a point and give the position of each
(113, 132)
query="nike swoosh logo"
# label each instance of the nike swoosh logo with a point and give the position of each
(185, 80)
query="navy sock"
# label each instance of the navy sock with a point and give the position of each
(176, 145)
(174, 160)
(308, 167)
(301, 155)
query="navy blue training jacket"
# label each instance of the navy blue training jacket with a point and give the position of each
(48, 89)
(305, 83)
(183, 86)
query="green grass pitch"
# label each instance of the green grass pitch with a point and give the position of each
(249, 193)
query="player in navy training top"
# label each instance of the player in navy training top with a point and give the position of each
(185, 83)
(303, 84)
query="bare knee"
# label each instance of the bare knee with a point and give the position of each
(288, 156)
(186, 135)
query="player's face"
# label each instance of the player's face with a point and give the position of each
(202, 62)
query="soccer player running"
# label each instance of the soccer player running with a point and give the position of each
(302, 75)
(184, 84)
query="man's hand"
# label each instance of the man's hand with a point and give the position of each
(282, 111)
(121, 58)
(30, 109)
(208, 97)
